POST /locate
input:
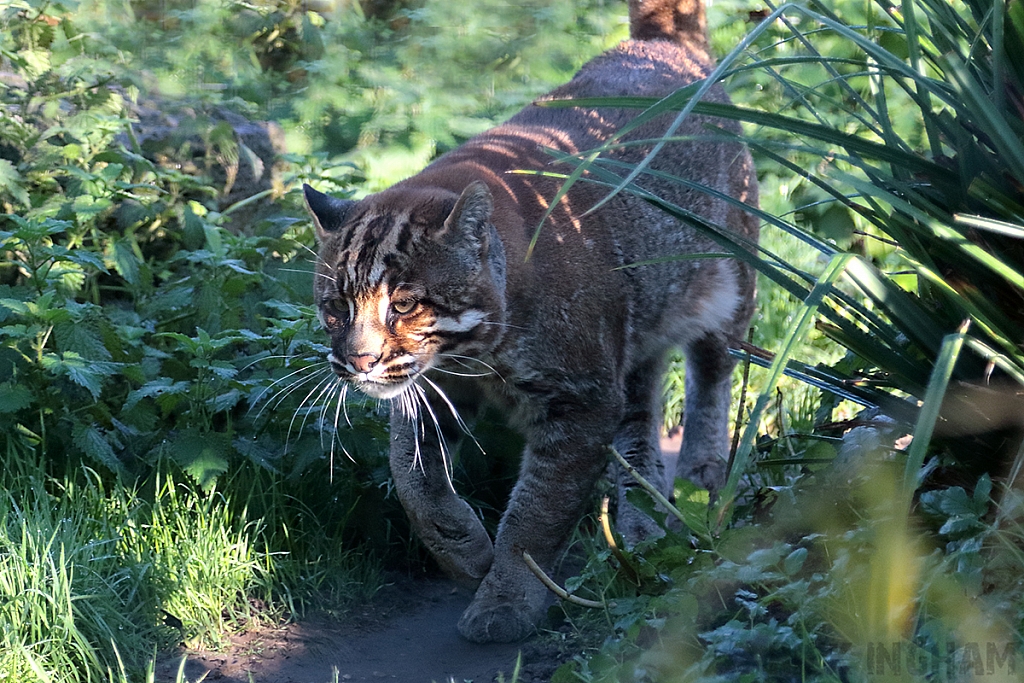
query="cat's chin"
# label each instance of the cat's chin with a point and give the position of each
(381, 390)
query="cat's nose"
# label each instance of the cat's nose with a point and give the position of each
(363, 362)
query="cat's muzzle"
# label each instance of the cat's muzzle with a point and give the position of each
(373, 382)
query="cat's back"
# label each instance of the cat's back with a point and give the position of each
(577, 255)
(513, 156)
(644, 68)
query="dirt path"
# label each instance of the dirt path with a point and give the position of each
(406, 633)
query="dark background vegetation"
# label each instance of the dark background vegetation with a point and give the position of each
(174, 463)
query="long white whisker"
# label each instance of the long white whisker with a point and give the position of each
(311, 251)
(462, 374)
(287, 391)
(286, 357)
(306, 272)
(446, 462)
(334, 434)
(331, 386)
(326, 396)
(273, 384)
(444, 397)
(317, 259)
(497, 324)
(419, 425)
(335, 438)
(316, 255)
(455, 413)
(295, 415)
(409, 407)
(459, 358)
(343, 403)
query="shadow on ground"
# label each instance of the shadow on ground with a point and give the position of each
(407, 633)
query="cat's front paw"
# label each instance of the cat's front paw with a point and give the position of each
(635, 526)
(709, 473)
(486, 621)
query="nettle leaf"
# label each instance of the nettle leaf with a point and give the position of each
(223, 369)
(263, 451)
(982, 492)
(287, 309)
(10, 359)
(16, 332)
(87, 207)
(88, 374)
(193, 235)
(81, 257)
(15, 306)
(110, 172)
(185, 342)
(203, 456)
(11, 181)
(249, 335)
(33, 230)
(237, 266)
(225, 401)
(36, 62)
(962, 513)
(93, 442)
(80, 338)
(126, 261)
(154, 389)
(794, 562)
(14, 397)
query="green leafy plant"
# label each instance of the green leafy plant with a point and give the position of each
(904, 121)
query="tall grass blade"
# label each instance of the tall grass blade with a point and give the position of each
(802, 321)
(931, 408)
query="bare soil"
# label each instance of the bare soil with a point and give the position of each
(406, 633)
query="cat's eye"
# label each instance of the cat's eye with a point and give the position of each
(404, 306)
(336, 311)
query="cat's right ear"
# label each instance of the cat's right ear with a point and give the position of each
(328, 213)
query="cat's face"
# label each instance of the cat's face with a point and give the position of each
(405, 280)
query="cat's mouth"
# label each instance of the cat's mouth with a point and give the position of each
(381, 390)
(379, 382)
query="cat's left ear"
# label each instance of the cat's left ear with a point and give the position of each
(328, 213)
(469, 222)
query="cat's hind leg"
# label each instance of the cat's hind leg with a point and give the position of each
(445, 523)
(702, 457)
(637, 440)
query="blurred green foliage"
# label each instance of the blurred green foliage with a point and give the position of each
(161, 372)
(158, 353)
(895, 131)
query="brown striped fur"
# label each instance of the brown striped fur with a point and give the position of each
(431, 276)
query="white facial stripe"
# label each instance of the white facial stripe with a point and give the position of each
(383, 303)
(465, 322)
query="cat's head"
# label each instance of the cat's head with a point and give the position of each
(406, 279)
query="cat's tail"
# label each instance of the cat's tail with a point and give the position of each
(681, 21)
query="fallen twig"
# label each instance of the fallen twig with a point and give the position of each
(555, 588)
(616, 551)
(649, 487)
